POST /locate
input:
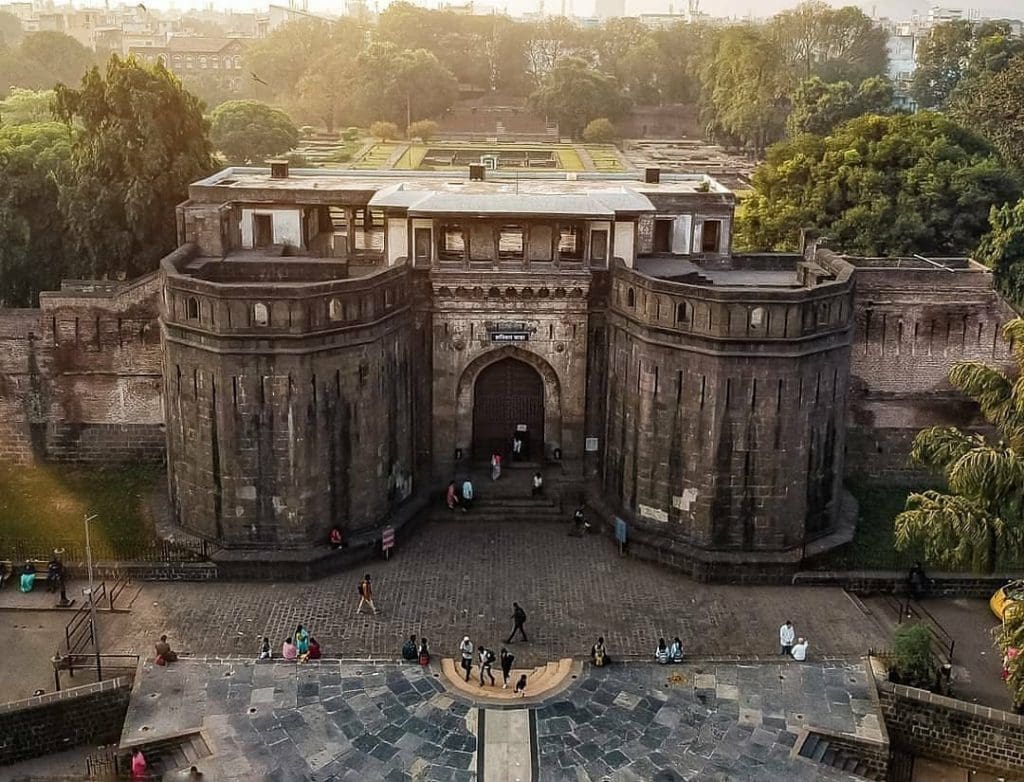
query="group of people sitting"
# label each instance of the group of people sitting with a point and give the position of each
(54, 575)
(298, 648)
(416, 650)
(669, 653)
(459, 496)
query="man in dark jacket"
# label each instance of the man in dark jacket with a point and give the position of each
(518, 619)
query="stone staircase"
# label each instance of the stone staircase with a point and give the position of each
(541, 681)
(510, 498)
(170, 754)
(821, 749)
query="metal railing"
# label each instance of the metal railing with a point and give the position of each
(185, 550)
(943, 645)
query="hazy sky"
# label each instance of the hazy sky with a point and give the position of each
(891, 8)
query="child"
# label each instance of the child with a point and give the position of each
(520, 688)
(265, 649)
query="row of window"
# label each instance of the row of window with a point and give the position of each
(337, 310)
(757, 317)
(511, 240)
(189, 61)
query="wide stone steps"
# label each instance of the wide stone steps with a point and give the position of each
(541, 681)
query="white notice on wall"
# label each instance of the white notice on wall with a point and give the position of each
(657, 514)
(684, 500)
(590, 445)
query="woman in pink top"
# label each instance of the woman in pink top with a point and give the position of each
(138, 764)
(289, 651)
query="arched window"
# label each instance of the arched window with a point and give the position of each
(260, 314)
(630, 298)
(237, 61)
(684, 312)
(192, 308)
(334, 310)
(824, 313)
(227, 62)
(202, 61)
(758, 317)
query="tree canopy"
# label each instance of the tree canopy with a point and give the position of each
(25, 107)
(43, 59)
(33, 254)
(251, 131)
(11, 30)
(1002, 250)
(878, 185)
(993, 105)
(978, 522)
(574, 93)
(141, 140)
(819, 107)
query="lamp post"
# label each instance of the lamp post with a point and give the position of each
(92, 601)
(64, 602)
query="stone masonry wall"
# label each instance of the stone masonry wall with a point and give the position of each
(963, 733)
(91, 714)
(911, 326)
(80, 377)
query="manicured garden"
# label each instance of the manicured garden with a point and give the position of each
(567, 156)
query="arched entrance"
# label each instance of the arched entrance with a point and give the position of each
(508, 397)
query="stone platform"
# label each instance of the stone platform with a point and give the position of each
(352, 720)
(542, 682)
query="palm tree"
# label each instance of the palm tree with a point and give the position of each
(980, 521)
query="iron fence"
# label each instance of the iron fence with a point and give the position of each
(103, 550)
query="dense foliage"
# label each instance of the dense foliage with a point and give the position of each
(573, 94)
(1011, 637)
(42, 59)
(1002, 250)
(878, 185)
(979, 521)
(993, 105)
(251, 131)
(819, 107)
(912, 661)
(141, 140)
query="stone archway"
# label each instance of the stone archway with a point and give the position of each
(508, 396)
(550, 397)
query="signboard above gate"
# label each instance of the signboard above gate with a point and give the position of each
(509, 331)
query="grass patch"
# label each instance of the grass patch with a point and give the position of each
(43, 506)
(605, 157)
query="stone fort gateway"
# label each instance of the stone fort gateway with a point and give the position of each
(327, 347)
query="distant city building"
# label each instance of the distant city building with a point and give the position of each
(220, 57)
(609, 9)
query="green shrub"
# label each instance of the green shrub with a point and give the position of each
(600, 131)
(350, 134)
(913, 663)
(425, 129)
(385, 131)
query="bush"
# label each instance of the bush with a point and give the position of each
(913, 663)
(425, 130)
(340, 156)
(307, 131)
(385, 131)
(350, 134)
(600, 131)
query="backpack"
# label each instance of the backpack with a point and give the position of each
(490, 655)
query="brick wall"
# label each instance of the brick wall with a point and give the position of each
(91, 714)
(962, 733)
(80, 377)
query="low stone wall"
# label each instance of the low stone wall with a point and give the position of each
(962, 733)
(869, 582)
(91, 714)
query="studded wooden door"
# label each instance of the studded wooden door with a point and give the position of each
(509, 394)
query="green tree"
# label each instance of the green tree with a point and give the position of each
(993, 105)
(819, 107)
(878, 185)
(836, 44)
(11, 31)
(746, 88)
(385, 131)
(979, 521)
(573, 94)
(1002, 250)
(54, 57)
(326, 91)
(248, 130)
(425, 129)
(25, 107)
(280, 60)
(33, 254)
(600, 131)
(683, 53)
(401, 84)
(141, 140)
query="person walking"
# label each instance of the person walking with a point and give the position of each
(495, 466)
(518, 620)
(466, 650)
(507, 658)
(366, 595)
(787, 634)
(467, 495)
(486, 661)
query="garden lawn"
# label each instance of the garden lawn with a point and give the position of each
(44, 506)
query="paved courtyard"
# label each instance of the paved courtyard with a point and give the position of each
(460, 577)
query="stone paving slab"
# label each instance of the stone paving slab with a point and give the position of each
(460, 577)
(649, 722)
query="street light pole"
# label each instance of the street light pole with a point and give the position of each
(92, 602)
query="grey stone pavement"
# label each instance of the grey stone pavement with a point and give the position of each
(628, 722)
(460, 577)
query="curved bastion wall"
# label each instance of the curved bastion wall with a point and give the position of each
(726, 408)
(288, 395)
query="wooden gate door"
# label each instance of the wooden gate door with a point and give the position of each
(508, 394)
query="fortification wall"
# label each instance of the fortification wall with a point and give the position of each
(726, 410)
(80, 377)
(911, 325)
(289, 406)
